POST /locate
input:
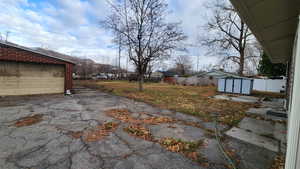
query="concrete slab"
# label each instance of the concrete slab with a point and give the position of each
(254, 139)
(251, 157)
(280, 132)
(259, 127)
(177, 131)
(212, 153)
(246, 99)
(222, 97)
(274, 103)
(258, 111)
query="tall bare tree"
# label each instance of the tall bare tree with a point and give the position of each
(228, 35)
(183, 64)
(144, 31)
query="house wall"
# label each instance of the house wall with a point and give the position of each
(196, 81)
(293, 148)
(8, 53)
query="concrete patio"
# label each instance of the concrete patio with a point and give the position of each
(53, 143)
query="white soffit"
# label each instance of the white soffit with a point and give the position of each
(274, 23)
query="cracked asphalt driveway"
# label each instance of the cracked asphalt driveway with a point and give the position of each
(57, 140)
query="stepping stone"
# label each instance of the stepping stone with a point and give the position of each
(212, 153)
(259, 127)
(254, 139)
(246, 99)
(177, 131)
(280, 132)
(222, 97)
(281, 114)
(258, 111)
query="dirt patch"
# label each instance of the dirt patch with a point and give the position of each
(139, 131)
(28, 121)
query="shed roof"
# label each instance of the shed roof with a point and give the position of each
(220, 74)
(9, 44)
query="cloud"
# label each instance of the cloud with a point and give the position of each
(72, 26)
(64, 26)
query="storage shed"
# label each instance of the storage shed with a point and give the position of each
(235, 85)
(24, 71)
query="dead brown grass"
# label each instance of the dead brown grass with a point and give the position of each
(28, 121)
(268, 94)
(195, 100)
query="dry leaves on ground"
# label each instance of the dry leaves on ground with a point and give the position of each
(100, 132)
(95, 134)
(279, 162)
(28, 121)
(186, 148)
(139, 131)
(124, 116)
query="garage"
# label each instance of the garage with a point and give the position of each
(27, 72)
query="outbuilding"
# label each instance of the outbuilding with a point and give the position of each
(235, 85)
(24, 71)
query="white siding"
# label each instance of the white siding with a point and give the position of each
(269, 85)
(293, 149)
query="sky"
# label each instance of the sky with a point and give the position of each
(72, 27)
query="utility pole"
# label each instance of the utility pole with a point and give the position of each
(120, 52)
(198, 60)
(7, 34)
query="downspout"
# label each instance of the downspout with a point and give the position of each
(293, 149)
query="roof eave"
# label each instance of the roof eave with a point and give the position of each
(37, 52)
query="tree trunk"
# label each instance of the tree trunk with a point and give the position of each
(242, 64)
(141, 81)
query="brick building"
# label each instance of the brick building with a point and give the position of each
(24, 71)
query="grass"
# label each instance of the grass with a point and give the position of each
(269, 94)
(194, 100)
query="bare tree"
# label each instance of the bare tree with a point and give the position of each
(228, 36)
(144, 31)
(182, 65)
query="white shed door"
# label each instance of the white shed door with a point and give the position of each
(237, 86)
(17, 78)
(229, 85)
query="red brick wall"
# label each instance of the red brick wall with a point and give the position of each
(8, 53)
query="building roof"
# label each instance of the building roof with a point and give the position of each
(34, 51)
(168, 73)
(273, 22)
(219, 74)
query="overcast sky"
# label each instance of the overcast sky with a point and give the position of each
(72, 26)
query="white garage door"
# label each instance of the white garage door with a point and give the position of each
(17, 78)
